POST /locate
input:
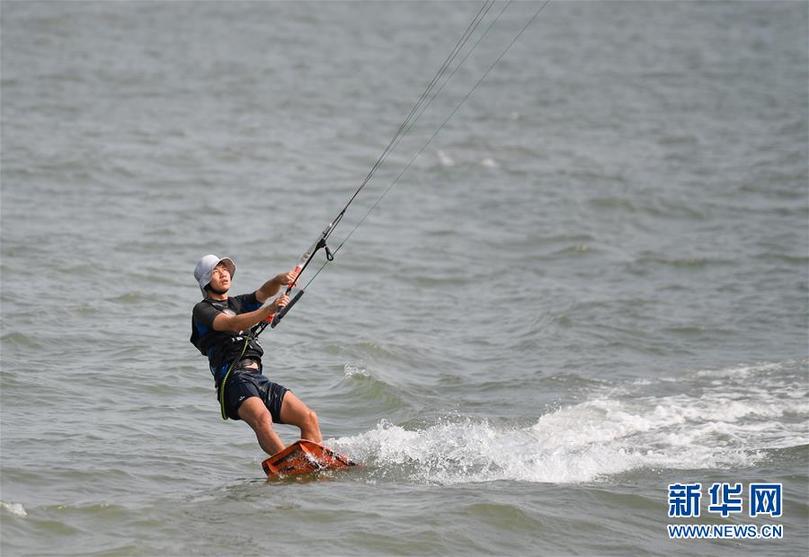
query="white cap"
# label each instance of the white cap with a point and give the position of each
(205, 267)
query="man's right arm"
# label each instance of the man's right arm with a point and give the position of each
(243, 321)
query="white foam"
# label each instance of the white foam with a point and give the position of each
(352, 370)
(741, 370)
(732, 424)
(14, 508)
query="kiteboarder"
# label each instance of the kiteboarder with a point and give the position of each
(221, 330)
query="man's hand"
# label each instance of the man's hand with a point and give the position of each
(285, 279)
(279, 302)
(275, 306)
(272, 286)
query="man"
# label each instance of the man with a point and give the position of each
(219, 329)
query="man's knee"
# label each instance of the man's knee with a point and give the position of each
(253, 411)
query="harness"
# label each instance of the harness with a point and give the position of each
(229, 354)
(251, 336)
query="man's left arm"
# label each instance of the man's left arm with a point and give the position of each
(272, 286)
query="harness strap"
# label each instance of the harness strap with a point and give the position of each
(227, 376)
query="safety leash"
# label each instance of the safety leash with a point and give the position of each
(227, 376)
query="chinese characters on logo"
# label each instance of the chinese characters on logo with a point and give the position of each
(765, 499)
(725, 499)
(684, 500)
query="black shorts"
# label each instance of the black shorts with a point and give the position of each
(244, 383)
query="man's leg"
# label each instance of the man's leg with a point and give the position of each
(295, 412)
(253, 411)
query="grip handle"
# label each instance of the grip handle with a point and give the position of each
(279, 315)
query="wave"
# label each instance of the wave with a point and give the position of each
(730, 418)
(358, 387)
(14, 508)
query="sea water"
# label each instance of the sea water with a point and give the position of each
(590, 285)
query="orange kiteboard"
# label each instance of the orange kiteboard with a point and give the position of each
(304, 457)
